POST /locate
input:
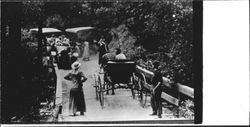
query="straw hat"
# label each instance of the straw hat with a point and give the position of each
(76, 65)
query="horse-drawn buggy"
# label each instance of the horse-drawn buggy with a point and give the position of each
(120, 72)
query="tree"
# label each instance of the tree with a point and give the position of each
(10, 57)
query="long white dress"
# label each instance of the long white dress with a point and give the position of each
(77, 50)
(86, 51)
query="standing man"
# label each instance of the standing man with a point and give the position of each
(103, 49)
(157, 90)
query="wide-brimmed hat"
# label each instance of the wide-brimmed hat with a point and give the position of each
(76, 65)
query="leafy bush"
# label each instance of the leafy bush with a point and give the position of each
(55, 21)
(186, 109)
(37, 83)
(163, 28)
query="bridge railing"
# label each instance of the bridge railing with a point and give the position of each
(177, 87)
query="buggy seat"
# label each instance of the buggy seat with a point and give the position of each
(120, 71)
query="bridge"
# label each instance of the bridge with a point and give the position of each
(121, 106)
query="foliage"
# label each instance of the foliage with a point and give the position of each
(32, 12)
(124, 41)
(25, 35)
(187, 109)
(37, 84)
(163, 28)
(55, 21)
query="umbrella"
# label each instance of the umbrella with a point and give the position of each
(46, 30)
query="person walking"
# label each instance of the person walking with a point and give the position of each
(80, 46)
(76, 49)
(157, 81)
(64, 59)
(76, 100)
(86, 51)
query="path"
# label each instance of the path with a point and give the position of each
(117, 107)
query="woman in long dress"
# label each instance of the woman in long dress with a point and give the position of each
(77, 100)
(77, 50)
(86, 51)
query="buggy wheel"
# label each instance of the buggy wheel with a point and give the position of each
(144, 88)
(96, 88)
(137, 87)
(102, 95)
(100, 92)
(145, 98)
(106, 84)
(140, 92)
(131, 85)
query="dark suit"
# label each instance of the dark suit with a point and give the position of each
(103, 49)
(156, 97)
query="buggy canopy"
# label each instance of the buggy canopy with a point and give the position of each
(78, 29)
(82, 33)
(46, 30)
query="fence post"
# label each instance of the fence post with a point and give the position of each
(141, 90)
(178, 106)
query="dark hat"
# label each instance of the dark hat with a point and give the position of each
(118, 51)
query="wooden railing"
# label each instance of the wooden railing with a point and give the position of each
(58, 97)
(179, 88)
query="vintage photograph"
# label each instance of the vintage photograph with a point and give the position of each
(98, 62)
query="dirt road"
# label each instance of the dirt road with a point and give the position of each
(118, 107)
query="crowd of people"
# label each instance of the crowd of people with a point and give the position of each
(77, 100)
(68, 56)
(64, 51)
(61, 40)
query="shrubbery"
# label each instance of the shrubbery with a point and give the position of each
(163, 29)
(37, 83)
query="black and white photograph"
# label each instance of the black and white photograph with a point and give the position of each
(94, 62)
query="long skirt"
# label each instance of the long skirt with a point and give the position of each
(78, 51)
(86, 52)
(81, 51)
(77, 101)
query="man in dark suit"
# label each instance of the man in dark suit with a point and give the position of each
(103, 49)
(157, 90)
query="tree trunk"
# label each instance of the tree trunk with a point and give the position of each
(40, 43)
(10, 58)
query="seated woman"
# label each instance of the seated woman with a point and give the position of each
(119, 54)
